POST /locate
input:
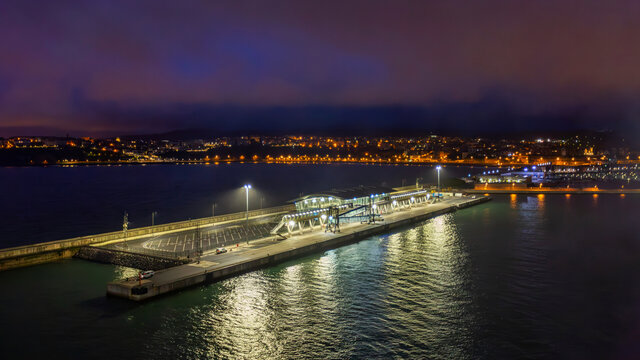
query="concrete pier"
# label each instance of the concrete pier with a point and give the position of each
(266, 252)
(62, 249)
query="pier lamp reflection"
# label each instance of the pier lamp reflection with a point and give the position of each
(513, 201)
(441, 231)
(246, 318)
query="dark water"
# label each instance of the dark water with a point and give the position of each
(45, 204)
(518, 277)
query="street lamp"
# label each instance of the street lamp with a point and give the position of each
(125, 227)
(438, 168)
(153, 218)
(246, 188)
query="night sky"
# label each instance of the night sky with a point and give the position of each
(111, 67)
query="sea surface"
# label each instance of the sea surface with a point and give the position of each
(532, 277)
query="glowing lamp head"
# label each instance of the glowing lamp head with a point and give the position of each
(323, 216)
(247, 186)
(438, 167)
(291, 223)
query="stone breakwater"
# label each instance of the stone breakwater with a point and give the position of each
(128, 259)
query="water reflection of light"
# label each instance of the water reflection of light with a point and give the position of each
(293, 272)
(326, 265)
(441, 231)
(326, 289)
(243, 315)
(541, 201)
(622, 196)
(394, 247)
(426, 278)
(513, 201)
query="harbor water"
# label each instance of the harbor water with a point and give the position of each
(526, 276)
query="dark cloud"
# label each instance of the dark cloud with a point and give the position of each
(145, 65)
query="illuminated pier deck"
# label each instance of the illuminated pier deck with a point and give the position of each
(268, 251)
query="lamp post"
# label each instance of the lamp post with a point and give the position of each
(438, 168)
(213, 210)
(153, 218)
(125, 227)
(246, 188)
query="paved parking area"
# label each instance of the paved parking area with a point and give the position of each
(211, 237)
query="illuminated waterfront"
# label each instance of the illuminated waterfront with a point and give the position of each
(521, 276)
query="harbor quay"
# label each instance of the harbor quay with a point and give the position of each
(310, 229)
(551, 190)
(134, 241)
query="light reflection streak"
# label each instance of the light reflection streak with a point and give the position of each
(243, 316)
(541, 202)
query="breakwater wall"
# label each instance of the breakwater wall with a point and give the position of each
(124, 258)
(60, 249)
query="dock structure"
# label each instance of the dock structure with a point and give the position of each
(135, 240)
(277, 248)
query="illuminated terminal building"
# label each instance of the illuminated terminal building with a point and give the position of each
(328, 209)
(357, 196)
